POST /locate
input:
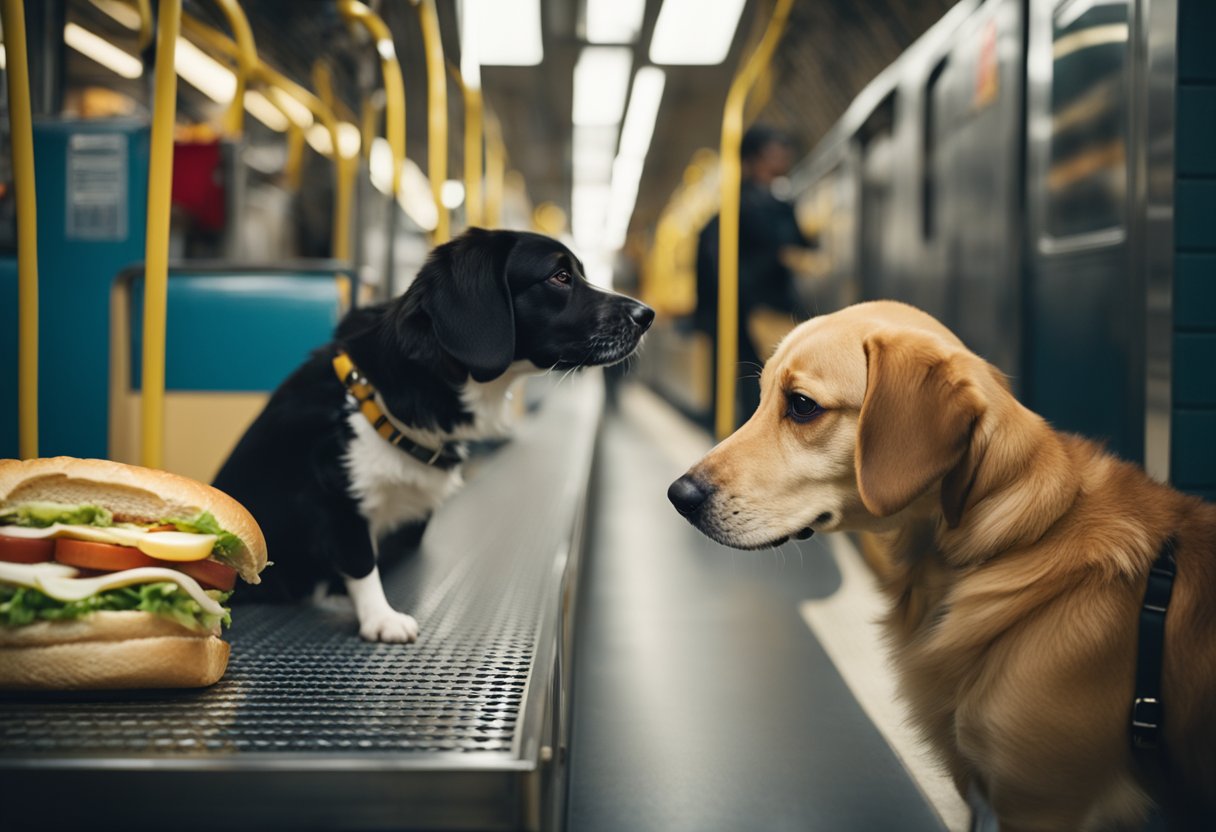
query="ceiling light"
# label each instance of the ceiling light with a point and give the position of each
(102, 51)
(296, 111)
(614, 21)
(452, 194)
(380, 165)
(259, 107)
(3, 57)
(695, 31)
(643, 111)
(416, 198)
(470, 63)
(601, 80)
(591, 158)
(589, 210)
(203, 72)
(127, 15)
(508, 32)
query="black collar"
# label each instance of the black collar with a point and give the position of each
(448, 455)
(1148, 713)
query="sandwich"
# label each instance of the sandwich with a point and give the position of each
(115, 576)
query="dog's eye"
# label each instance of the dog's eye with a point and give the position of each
(562, 278)
(802, 408)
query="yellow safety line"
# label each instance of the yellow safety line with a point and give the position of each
(246, 65)
(22, 139)
(437, 114)
(156, 257)
(394, 85)
(728, 223)
(496, 171)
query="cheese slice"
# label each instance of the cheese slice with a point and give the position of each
(58, 581)
(175, 546)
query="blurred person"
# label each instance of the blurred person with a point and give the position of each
(768, 230)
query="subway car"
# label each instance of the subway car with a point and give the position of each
(437, 315)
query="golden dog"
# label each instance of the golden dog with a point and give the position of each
(1017, 564)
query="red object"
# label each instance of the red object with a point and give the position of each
(210, 574)
(22, 550)
(104, 556)
(198, 183)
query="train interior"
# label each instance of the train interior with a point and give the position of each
(219, 183)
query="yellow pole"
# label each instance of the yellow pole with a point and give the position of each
(145, 24)
(496, 171)
(728, 223)
(437, 114)
(473, 133)
(346, 168)
(22, 139)
(473, 205)
(394, 85)
(156, 257)
(344, 173)
(246, 65)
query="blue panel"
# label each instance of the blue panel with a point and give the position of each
(1195, 217)
(1196, 58)
(1195, 291)
(8, 357)
(238, 332)
(92, 180)
(1196, 130)
(1193, 453)
(1195, 370)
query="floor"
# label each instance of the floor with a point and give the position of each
(702, 699)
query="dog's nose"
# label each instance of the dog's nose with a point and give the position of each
(642, 315)
(687, 495)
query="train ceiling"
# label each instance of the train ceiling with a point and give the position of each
(831, 49)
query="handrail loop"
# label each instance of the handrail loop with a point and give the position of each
(437, 114)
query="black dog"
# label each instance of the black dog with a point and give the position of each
(350, 450)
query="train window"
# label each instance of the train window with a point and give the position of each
(1087, 171)
(930, 148)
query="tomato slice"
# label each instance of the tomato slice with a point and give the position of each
(208, 573)
(24, 550)
(103, 556)
(106, 557)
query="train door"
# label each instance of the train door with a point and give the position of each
(1085, 343)
(876, 139)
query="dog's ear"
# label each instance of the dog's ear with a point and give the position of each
(916, 423)
(469, 302)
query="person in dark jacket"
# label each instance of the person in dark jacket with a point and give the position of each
(767, 227)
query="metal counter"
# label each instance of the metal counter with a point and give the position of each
(313, 728)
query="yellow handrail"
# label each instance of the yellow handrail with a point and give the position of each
(266, 74)
(496, 171)
(473, 133)
(347, 168)
(156, 257)
(22, 139)
(246, 65)
(728, 223)
(145, 24)
(437, 114)
(394, 86)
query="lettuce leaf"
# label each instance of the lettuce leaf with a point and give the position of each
(226, 543)
(41, 515)
(21, 605)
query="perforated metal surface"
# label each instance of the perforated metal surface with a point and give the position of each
(304, 693)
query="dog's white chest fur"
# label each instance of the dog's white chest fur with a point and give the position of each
(392, 487)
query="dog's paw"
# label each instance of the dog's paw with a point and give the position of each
(390, 626)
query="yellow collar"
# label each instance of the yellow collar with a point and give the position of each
(447, 455)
